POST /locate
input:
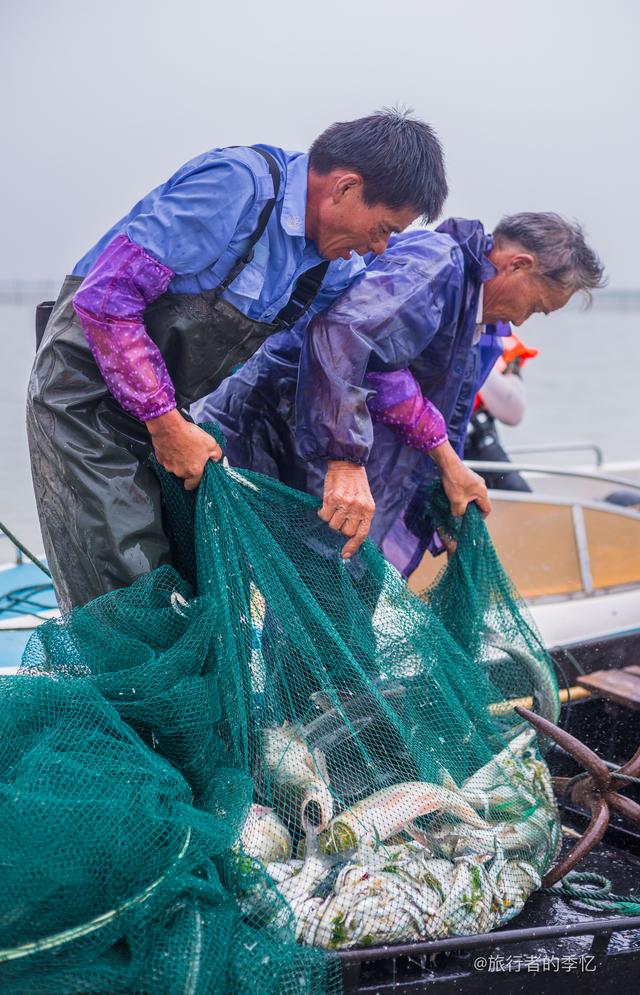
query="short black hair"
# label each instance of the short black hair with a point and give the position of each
(399, 158)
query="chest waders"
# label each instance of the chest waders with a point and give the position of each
(98, 499)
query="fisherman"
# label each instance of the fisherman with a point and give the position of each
(393, 367)
(502, 399)
(237, 244)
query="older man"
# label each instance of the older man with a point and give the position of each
(239, 243)
(392, 369)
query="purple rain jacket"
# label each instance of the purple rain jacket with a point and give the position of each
(413, 309)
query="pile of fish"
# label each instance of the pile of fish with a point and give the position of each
(377, 872)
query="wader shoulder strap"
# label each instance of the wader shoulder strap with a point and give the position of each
(43, 313)
(265, 214)
(306, 287)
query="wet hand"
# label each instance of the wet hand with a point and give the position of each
(182, 447)
(347, 505)
(462, 485)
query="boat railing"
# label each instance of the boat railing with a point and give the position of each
(490, 466)
(560, 447)
(582, 528)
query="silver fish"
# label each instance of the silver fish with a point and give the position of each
(297, 778)
(545, 691)
(386, 812)
(264, 836)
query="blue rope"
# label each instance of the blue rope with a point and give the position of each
(23, 600)
(23, 549)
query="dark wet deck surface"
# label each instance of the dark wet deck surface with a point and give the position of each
(606, 963)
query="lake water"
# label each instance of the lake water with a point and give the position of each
(582, 386)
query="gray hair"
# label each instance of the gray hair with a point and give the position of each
(563, 256)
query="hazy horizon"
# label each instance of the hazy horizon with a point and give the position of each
(535, 105)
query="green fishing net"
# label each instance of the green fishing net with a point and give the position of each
(214, 779)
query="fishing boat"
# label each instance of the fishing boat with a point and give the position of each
(576, 558)
(573, 553)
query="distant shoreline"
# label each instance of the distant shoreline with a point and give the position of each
(17, 292)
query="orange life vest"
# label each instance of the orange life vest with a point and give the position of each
(514, 348)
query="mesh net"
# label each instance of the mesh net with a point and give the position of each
(212, 779)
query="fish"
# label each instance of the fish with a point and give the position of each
(460, 840)
(352, 919)
(296, 779)
(346, 715)
(402, 894)
(545, 691)
(515, 882)
(285, 752)
(299, 886)
(500, 768)
(430, 873)
(502, 799)
(537, 836)
(280, 870)
(540, 779)
(362, 881)
(368, 905)
(384, 813)
(467, 906)
(264, 836)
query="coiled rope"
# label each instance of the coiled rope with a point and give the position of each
(595, 892)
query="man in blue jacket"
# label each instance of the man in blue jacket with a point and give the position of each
(237, 244)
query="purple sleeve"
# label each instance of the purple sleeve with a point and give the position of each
(385, 320)
(110, 304)
(398, 402)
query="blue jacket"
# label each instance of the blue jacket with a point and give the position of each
(199, 221)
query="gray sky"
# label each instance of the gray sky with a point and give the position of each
(536, 104)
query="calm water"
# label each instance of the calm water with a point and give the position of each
(582, 386)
